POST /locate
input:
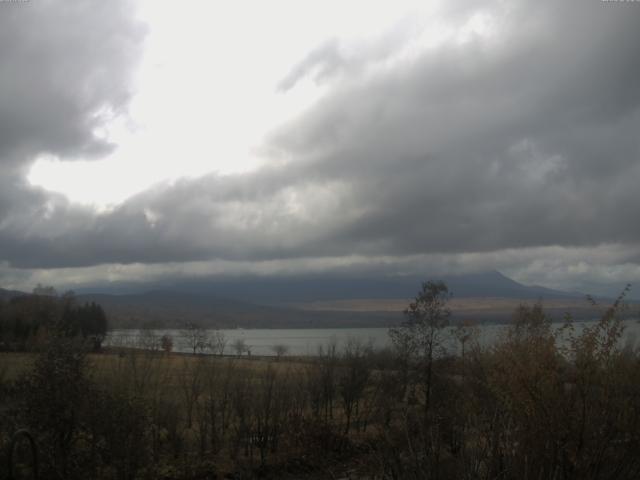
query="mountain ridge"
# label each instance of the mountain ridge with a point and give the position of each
(284, 290)
(298, 302)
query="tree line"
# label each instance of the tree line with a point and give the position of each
(28, 321)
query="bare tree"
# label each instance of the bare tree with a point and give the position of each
(464, 333)
(166, 343)
(192, 383)
(280, 350)
(353, 379)
(195, 337)
(219, 342)
(421, 332)
(239, 346)
(148, 340)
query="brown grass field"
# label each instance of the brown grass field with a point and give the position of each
(462, 305)
(478, 310)
(15, 364)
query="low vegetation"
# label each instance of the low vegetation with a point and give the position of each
(542, 403)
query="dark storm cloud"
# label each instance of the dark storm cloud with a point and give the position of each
(524, 140)
(531, 141)
(65, 67)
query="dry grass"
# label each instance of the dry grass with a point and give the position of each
(103, 365)
(462, 305)
(124, 360)
(12, 365)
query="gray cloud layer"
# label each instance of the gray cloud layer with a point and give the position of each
(522, 141)
(65, 67)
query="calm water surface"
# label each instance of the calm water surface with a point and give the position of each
(308, 341)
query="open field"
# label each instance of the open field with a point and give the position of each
(457, 305)
(14, 364)
(479, 304)
(479, 309)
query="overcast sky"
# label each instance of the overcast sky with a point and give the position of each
(155, 140)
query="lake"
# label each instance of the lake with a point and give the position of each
(308, 341)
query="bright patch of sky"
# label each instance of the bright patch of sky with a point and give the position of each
(207, 89)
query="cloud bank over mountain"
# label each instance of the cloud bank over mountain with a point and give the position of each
(510, 143)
